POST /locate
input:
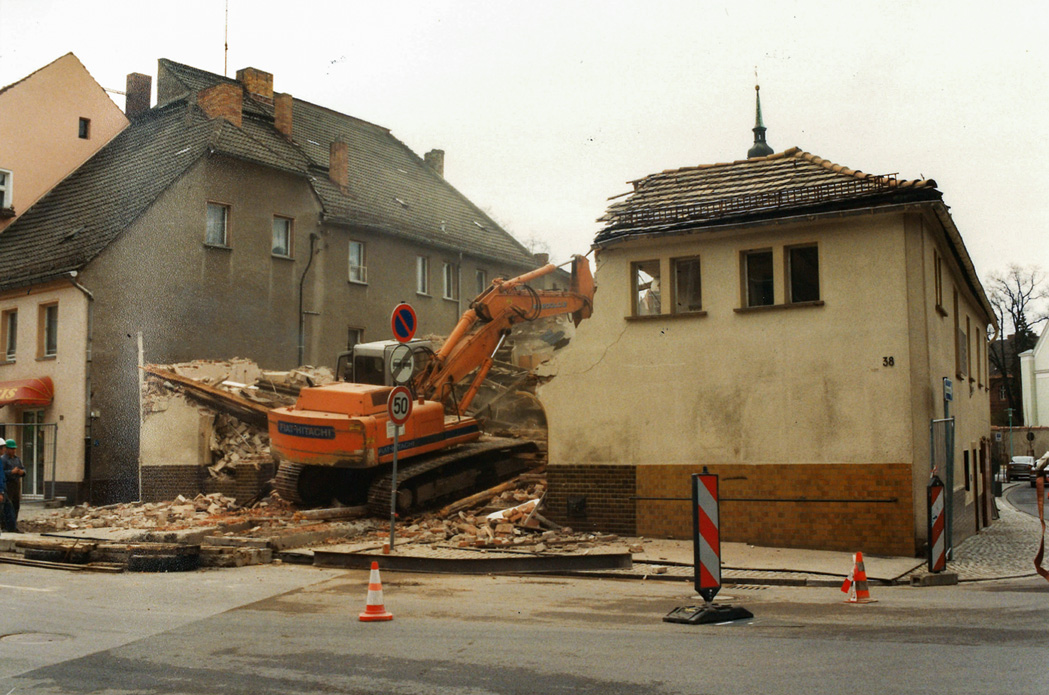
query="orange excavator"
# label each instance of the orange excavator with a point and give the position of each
(337, 440)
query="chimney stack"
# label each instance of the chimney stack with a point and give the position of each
(258, 83)
(137, 93)
(541, 258)
(435, 158)
(339, 164)
(282, 114)
(223, 100)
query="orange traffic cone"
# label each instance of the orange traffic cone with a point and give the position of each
(856, 583)
(375, 610)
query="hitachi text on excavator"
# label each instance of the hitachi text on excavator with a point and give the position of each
(337, 440)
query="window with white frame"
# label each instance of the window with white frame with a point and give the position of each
(217, 233)
(48, 330)
(5, 189)
(422, 275)
(10, 336)
(451, 281)
(482, 281)
(358, 269)
(282, 228)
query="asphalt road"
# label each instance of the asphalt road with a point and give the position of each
(1023, 497)
(295, 630)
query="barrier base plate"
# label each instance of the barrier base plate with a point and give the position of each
(708, 613)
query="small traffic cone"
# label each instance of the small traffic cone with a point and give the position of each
(375, 610)
(857, 582)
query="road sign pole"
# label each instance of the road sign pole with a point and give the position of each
(393, 484)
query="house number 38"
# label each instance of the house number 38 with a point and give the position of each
(888, 361)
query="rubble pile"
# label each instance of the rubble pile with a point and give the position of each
(234, 441)
(180, 513)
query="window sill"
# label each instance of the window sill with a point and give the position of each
(217, 247)
(450, 299)
(281, 257)
(4, 362)
(422, 294)
(660, 317)
(357, 282)
(7, 212)
(46, 358)
(941, 311)
(777, 307)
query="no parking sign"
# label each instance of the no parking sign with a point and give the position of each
(403, 322)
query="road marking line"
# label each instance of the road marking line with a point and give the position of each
(24, 588)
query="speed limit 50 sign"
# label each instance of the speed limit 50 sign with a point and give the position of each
(399, 405)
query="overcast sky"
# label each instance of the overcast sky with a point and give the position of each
(546, 109)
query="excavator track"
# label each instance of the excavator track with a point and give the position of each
(451, 475)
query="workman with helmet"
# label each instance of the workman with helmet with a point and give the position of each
(13, 472)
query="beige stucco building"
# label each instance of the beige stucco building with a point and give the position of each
(1034, 382)
(788, 323)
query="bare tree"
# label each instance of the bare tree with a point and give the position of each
(1017, 297)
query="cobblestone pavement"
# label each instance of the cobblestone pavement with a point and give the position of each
(1003, 550)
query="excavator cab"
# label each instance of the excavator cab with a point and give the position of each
(370, 363)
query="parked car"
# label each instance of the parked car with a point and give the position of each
(1020, 467)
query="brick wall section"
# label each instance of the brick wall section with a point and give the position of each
(862, 524)
(224, 100)
(606, 490)
(161, 483)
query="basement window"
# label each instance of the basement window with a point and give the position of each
(757, 274)
(645, 288)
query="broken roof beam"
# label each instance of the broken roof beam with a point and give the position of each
(237, 406)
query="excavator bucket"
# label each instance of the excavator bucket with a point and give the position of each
(582, 284)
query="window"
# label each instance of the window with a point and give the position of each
(1002, 395)
(84, 128)
(217, 233)
(48, 330)
(422, 275)
(354, 336)
(451, 281)
(963, 353)
(645, 288)
(10, 333)
(757, 271)
(687, 292)
(282, 237)
(803, 273)
(482, 281)
(5, 189)
(358, 270)
(968, 352)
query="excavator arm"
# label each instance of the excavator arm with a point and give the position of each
(483, 327)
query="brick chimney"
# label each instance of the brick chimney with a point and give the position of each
(223, 100)
(339, 164)
(435, 158)
(282, 113)
(137, 93)
(258, 83)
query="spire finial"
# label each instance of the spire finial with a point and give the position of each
(760, 147)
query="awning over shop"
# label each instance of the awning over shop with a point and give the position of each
(37, 392)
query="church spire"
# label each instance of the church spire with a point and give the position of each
(760, 148)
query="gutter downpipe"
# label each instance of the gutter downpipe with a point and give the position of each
(87, 385)
(302, 313)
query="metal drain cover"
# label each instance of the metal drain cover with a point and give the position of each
(34, 638)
